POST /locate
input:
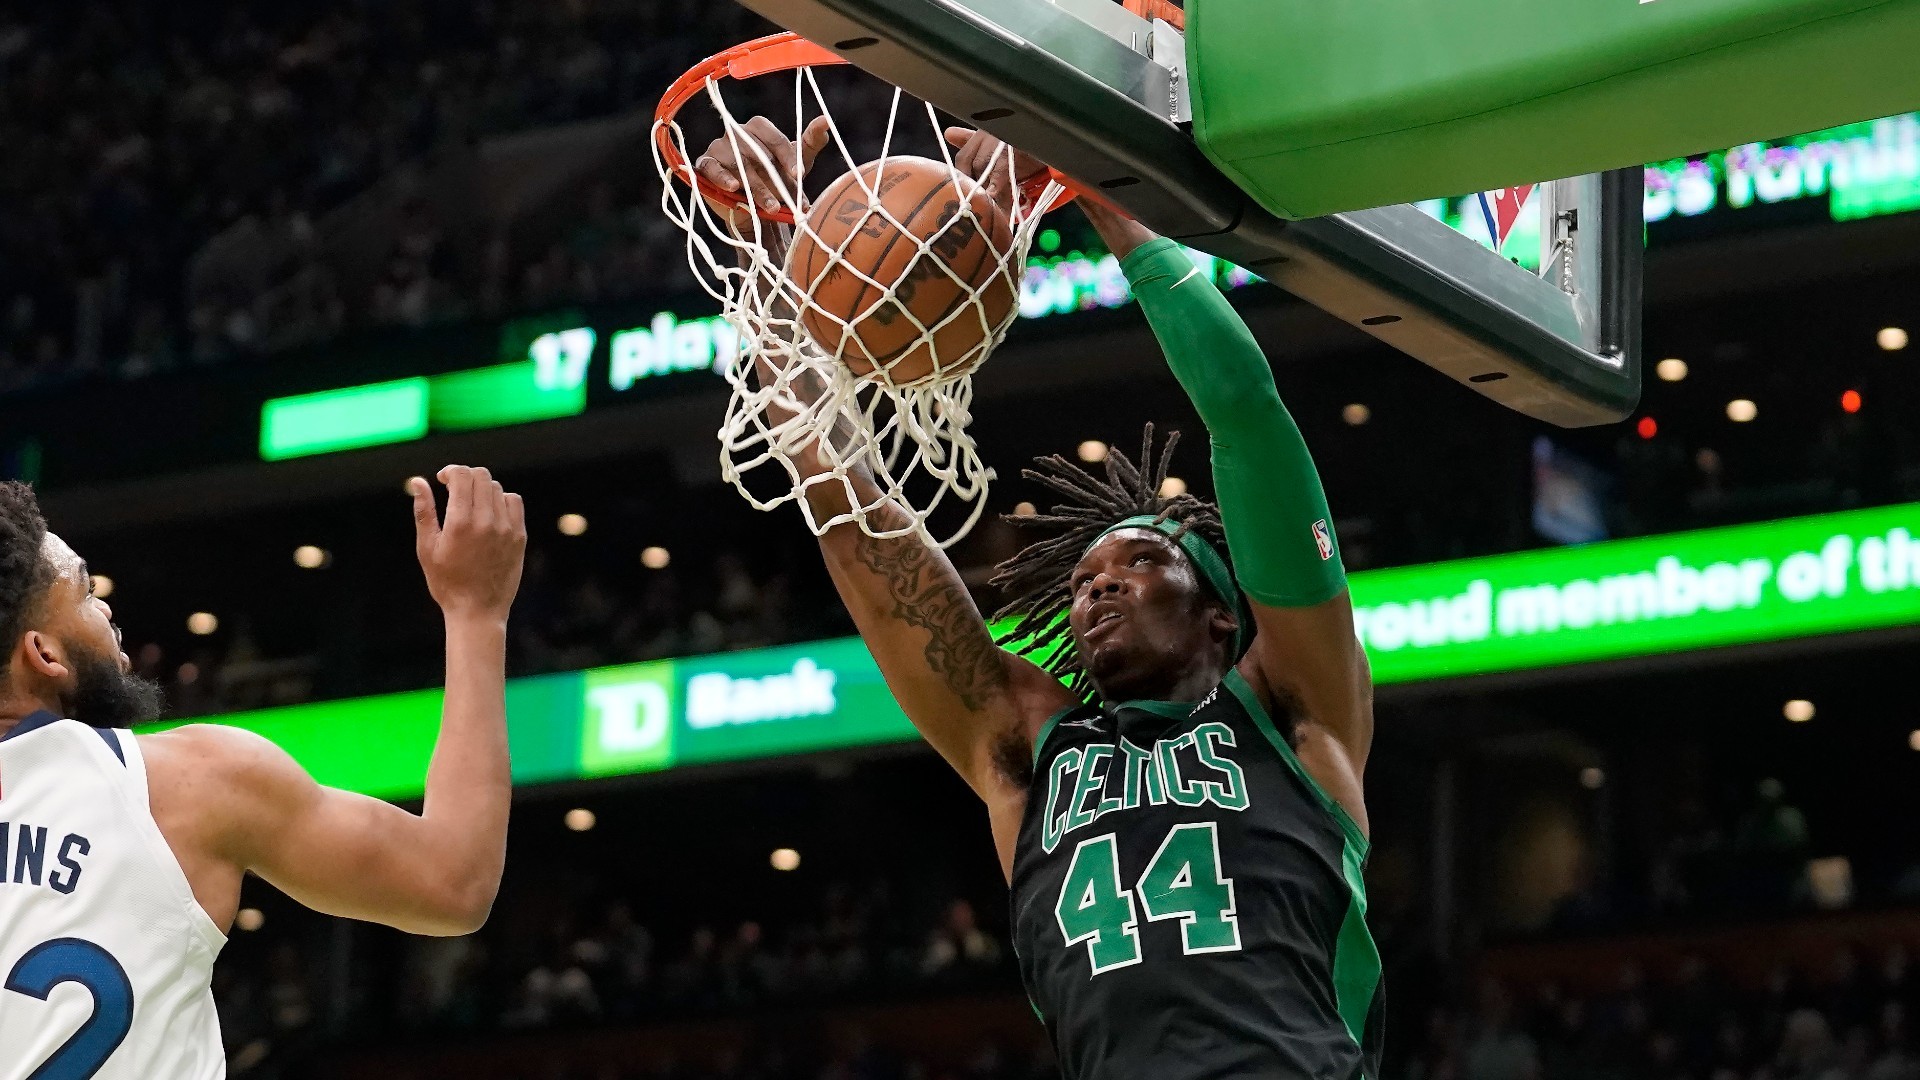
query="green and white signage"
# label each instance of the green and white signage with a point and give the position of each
(1858, 570)
(614, 721)
(1746, 584)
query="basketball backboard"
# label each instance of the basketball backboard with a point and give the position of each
(1100, 93)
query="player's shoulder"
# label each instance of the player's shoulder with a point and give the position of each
(216, 788)
(214, 751)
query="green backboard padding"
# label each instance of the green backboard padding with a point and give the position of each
(1315, 108)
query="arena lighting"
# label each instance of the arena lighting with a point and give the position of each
(1741, 410)
(1648, 427)
(1172, 486)
(1672, 369)
(1830, 882)
(102, 586)
(580, 819)
(1850, 401)
(308, 557)
(1799, 710)
(572, 524)
(1891, 338)
(656, 558)
(1593, 778)
(784, 859)
(1356, 414)
(249, 919)
(1093, 451)
(202, 623)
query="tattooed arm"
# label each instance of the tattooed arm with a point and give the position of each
(977, 704)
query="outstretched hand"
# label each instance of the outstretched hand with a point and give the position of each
(473, 559)
(732, 163)
(982, 157)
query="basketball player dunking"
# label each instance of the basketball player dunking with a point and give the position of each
(1182, 823)
(121, 856)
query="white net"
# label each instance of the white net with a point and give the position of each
(853, 384)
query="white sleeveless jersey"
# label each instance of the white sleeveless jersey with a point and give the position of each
(107, 959)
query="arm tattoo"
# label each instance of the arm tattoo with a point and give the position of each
(924, 595)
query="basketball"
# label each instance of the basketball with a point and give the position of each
(892, 277)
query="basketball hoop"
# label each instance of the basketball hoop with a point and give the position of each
(817, 410)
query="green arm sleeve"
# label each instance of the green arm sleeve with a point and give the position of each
(1271, 501)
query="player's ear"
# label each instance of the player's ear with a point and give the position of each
(45, 656)
(1221, 622)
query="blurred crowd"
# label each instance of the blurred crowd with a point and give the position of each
(877, 1061)
(606, 968)
(1715, 859)
(139, 133)
(145, 140)
(1853, 1021)
(856, 948)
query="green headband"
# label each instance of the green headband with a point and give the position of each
(1211, 567)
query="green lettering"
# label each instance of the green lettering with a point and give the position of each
(1052, 828)
(1094, 908)
(1108, 803)
(1182, 791)
(1137, 759)
(1184, 882)
(1155, 779)
(1090, 781)
(1230, 794)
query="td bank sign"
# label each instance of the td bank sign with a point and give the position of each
(733, 706)
(1740, 585)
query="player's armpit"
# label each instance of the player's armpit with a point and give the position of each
(335, 851)
(964, 693)
(1308, 662)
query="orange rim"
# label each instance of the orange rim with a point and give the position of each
(785, 51)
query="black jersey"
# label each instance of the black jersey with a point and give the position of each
(1187, 901)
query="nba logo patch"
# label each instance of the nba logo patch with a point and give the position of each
(1323, 539)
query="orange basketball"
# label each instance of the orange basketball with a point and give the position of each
(902, 240)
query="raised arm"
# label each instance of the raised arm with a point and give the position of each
(1305, 654)
(969, 698)
(252, 808)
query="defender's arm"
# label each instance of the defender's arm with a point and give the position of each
(435, 872)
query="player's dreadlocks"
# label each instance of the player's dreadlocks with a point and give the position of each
(25, 574)
(1038, 579)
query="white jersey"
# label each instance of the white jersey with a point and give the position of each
(106, 957)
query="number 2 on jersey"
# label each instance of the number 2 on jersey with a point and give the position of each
(71, 960)
(1182, 881)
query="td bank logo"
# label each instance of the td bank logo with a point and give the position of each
(629, 719)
